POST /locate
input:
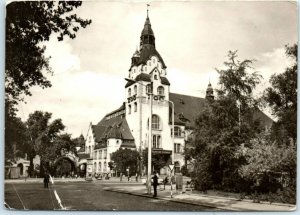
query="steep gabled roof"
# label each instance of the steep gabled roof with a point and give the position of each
(187, 109)
(147, 52)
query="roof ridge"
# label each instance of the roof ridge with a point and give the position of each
(187, 95)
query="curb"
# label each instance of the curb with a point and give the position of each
(175, 200)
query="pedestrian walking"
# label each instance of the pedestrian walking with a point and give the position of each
(155, 183)
(46, 179)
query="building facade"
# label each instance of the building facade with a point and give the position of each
(128, 126)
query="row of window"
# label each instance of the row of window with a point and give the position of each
(101, 154)
(160, 90)
(98, 168)
(134, 108)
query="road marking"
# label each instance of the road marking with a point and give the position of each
(19, 197)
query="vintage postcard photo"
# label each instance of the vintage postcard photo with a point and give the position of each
(151, 105)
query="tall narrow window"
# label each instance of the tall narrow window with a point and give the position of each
(129, 109)
(155, 122)
(100, 167)
(154, 141)
(135, 89)
(158, 141)
(129, 92)
(148, 89)
(177, 132)
(160, 90)
(135, 107)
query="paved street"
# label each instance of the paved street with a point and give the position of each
(85, 196)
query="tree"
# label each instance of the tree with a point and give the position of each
(42, 133)
(125, 158)
(15, 138)
(158, 160)
(282, 98)
(28, 25)
(266, 161)
(221, 127)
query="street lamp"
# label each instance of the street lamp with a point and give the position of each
(173, 152)
(173, 112)
(150, 133)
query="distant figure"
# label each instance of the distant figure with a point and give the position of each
(155, 183)
(46, 179)
(121, 175)
(136, 177)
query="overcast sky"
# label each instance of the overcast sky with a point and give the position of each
(193, 38)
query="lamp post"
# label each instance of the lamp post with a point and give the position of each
(173, 152)
(150, 133)
(173, 112)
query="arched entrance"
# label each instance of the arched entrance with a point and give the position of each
(20, 165)
(65, 167)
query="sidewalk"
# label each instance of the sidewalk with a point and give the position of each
(190, 197)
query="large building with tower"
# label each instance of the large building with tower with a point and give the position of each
(128, 126)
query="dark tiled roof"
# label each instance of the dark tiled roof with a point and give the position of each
(83, 156)
(165, 81)
(98, 132)
(147, 30)
(117, 110)
(266, 121)
(148, 51)
(147, 78)
(187, 109)
(114, 127)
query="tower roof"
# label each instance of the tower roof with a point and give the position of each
(147, 30)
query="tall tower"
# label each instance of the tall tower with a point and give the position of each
(209, 92)
(148, 73)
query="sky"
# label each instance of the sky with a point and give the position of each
(192, 37)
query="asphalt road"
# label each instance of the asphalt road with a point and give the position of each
(85, 196)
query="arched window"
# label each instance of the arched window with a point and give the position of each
(129, 109)
(135, 107)
(153, 60)
(135, 89)
(155, 122)
(160, 90)
(129, 92)
(100, 167)
(89, 149)
(155, 77)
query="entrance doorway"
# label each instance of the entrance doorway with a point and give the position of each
(64, 167)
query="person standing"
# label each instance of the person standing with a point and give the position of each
(46, 180)
(155, 183)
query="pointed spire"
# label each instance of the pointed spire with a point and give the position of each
(148, 5)
(209, 92)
